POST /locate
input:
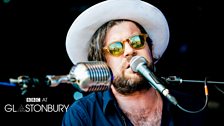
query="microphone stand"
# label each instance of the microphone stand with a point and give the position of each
(175, 79)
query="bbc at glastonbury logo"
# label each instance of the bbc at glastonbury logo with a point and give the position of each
(35, 104)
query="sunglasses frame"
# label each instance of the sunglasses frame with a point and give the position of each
(127, 40)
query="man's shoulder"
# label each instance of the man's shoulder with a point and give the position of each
(89, 100)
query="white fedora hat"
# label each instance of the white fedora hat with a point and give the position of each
(87, 23)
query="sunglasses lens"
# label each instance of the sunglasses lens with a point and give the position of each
(137, 41)
(116, 48)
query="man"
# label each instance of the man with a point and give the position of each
(114, 31)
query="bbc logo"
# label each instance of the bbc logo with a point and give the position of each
(32, 99)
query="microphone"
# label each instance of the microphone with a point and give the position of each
(139, 64)
(91, 76)
(85, 76)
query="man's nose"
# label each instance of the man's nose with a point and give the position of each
(128, 50)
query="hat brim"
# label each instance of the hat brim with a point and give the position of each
(87, 23)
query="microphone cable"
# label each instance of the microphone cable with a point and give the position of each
(205, 104)
(139, 64)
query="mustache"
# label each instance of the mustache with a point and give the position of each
(128, 58)
(149, 64)
(125, 63)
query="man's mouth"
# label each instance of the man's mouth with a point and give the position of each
(128, 66)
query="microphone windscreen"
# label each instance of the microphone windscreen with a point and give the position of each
(135, 61)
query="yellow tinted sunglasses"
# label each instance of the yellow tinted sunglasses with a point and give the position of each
(117, 48)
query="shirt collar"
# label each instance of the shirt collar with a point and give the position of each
(108, 99)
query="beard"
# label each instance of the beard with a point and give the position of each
(128, 86)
